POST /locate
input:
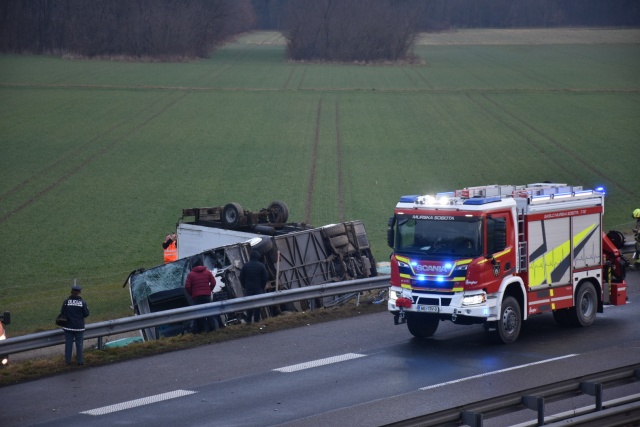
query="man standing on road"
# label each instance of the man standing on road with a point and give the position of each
(76, 310)
(199, 285)
(253, 278)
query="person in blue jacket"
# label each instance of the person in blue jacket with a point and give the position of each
(75, 308)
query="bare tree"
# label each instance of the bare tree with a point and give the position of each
(350, 30)
(164, 29)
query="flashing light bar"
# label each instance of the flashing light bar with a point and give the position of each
(482, 201)
(539, 193)
(409, 199)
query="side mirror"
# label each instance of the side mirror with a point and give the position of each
(390, 231)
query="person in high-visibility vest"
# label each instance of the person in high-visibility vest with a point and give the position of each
(636, 235)
(170, 247)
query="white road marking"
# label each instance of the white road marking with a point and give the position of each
(496, 372)
(319, 362)
(138, 402)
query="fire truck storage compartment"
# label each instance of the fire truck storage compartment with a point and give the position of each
(551, 244)
(618, 293)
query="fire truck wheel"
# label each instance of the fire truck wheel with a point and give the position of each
(584, 313)
(422, 325)
(232, 215)
(510, 322)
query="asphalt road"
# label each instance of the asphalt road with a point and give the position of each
(362, 371)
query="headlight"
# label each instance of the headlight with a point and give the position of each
(474, 299)
(394, 295)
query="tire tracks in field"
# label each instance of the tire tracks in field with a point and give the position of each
(89, 160)
(314, 163)
(341, 213)
(585, 164)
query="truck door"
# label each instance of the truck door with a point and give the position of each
(500, 255)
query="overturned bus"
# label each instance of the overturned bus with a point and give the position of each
(295, 255)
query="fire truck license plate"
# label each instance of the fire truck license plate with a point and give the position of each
(429, 308)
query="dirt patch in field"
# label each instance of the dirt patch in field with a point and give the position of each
(504, 36)
(528, 36)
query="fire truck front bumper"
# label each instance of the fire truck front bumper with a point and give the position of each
(459, 307)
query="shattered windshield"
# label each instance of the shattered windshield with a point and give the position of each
(439, 235)
(173, 275)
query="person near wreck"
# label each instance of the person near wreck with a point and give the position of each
(170, 246)
(199, 285)
(76, 309)
(253, 278)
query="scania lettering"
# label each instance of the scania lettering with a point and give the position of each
(497, 254)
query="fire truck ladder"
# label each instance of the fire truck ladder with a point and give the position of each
(522, 243)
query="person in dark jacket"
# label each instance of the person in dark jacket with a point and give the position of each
(253, 278)
(199, 285)
(75, 308)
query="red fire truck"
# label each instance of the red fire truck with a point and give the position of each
(497, 254)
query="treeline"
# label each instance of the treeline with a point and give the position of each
(166, 29)
(446, 14)
(327, 30)
(315, 29)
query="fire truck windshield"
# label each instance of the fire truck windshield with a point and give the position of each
(439, 235)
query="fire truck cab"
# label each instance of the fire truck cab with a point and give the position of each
(497, 254)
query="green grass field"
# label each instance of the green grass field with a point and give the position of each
(99, 157)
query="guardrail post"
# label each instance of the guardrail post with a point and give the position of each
(593, 389)
(472, 419)
(100, 344)
(537, 404)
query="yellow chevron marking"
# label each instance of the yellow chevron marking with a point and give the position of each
(541, 268)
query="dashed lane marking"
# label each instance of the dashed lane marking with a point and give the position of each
(138, 402)
(496, 372)
(319, 362)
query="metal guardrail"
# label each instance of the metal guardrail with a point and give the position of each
(126, 324)
(626, 411)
